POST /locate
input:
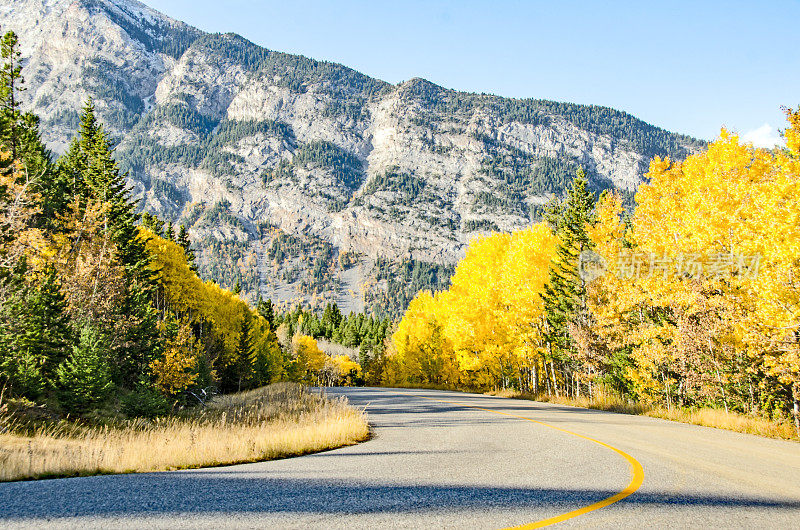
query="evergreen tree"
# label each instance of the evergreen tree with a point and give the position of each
(20, 366)
(242, 366)
(184, 241)
(19, 131)
(75, 163)
(237, 289)
(24, 372)
(10, 85)
(47, 329)
(153, 223)
(269, 361)
(350, 336)
(564, 295)
(331, 318)
(84, 379)
(94, 175)
(266, 309)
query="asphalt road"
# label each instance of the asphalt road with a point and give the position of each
(436, 461)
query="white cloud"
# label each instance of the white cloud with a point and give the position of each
(764, 136)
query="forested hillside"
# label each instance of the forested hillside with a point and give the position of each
(254, 150)
(102, 312)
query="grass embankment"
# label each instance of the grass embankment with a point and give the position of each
(707, 417)
(276, 421)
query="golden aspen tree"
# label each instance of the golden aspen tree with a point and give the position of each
(525, 270)
(731, 214)
(778, 303)
(85, 258)
(422, 353)
(340, 370)
(18, 206)
(309, 358)
(474, 326)
(175, 370)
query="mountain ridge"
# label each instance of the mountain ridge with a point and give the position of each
(258, 151)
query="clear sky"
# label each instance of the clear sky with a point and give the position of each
(687, 66)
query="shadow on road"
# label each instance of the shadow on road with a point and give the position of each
(230, 492)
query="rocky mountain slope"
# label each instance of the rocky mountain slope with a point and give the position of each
(306, 180)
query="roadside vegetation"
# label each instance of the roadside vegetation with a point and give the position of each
(687, 308)
(115, 356)
(280, 420)
(707, 417)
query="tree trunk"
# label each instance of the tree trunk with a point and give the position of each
(546, 378)
(722, 389)
(796, 407)
(666, 391)
(716, 370)
(553, 375)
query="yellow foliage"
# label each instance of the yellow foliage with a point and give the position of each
(219, 313)
(733, 199)
(341, 371)
(18, 205)
(733, 210)
(186, 294)
(310, 360)
(174, 372)
(85, 257)
(487, 325)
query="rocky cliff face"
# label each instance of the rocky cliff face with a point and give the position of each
(306, 180)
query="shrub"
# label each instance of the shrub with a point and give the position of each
(144, 402)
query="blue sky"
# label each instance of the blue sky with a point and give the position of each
(690, 67)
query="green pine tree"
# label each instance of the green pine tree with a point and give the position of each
(84, 378)
(184, 241)
(152, 223)
(331, 319)
(21, 368)
(11, 82)
(24, 373)
(75, 163)
(94, 175)
(266, 309)
(269, 361)
(245, 353)
(564, 295)
(19, 132)
(47, 328)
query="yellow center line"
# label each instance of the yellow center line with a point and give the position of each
(637, 472)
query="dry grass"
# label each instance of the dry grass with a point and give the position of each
(272, 422)
(731, 421)
(707, 417)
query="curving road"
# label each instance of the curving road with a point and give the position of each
(445, 459)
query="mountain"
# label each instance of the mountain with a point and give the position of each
(306, 180)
